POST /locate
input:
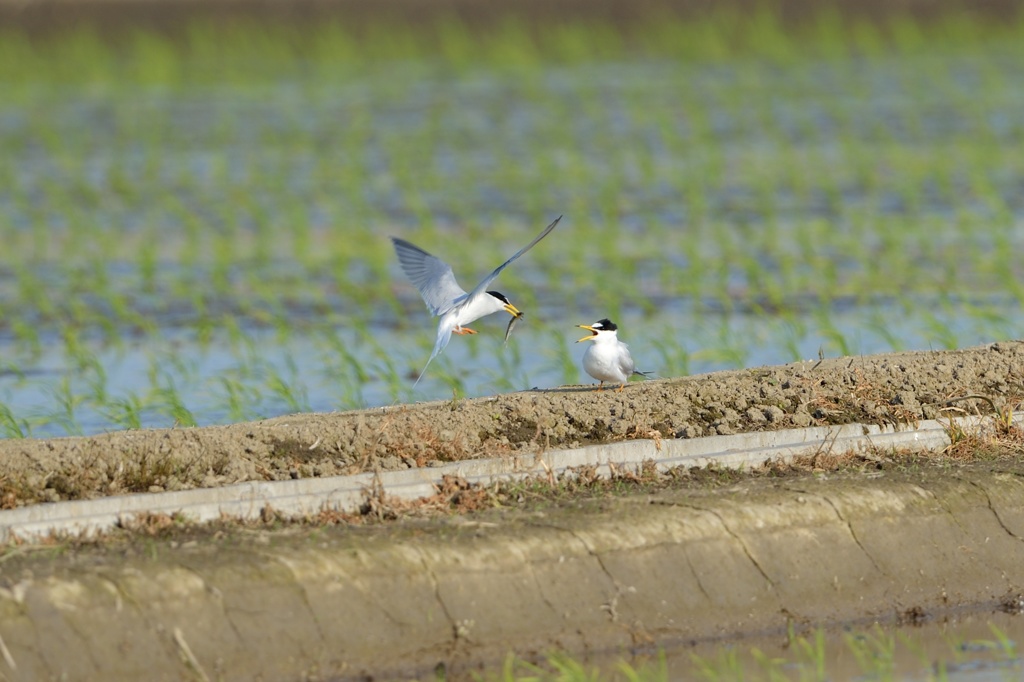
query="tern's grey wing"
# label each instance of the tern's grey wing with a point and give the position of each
(626, 363)
(431, 275)
(486, 282)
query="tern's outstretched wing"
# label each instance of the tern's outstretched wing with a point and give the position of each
(486, 282)
(431, 275)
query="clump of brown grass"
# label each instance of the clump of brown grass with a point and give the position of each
(996, 436)
(153, 523)
(453, 495)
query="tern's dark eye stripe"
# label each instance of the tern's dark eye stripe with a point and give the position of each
(605, 325)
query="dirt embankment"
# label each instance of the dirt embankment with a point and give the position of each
(900, 387)
(707, 555)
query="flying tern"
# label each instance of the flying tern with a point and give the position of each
(445, 298)
(607, 359)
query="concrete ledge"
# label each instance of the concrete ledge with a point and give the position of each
(674, 566)
(306, 496)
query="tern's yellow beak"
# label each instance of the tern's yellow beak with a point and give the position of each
(593, 332)
(512, 310)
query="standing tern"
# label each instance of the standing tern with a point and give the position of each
(444, 297)
(607, 359)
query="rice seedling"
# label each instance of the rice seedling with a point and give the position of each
(238, 399)
(12, 426)
(878, 654)
(793, 333)
(67, 402)
(124, 412)
(166, 400)
(26, 336)
(874, 652)
(938, 331)
(288, 389)
(880, 323)
(834, 340)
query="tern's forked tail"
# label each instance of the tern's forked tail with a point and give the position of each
(443, 336)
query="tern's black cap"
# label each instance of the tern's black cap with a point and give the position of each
(500, 296)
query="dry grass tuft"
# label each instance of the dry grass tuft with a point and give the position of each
(153, 524)
(997, 436)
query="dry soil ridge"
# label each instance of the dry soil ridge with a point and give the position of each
(896, 387)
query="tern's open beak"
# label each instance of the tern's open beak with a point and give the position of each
(593, 332)
(512, 310)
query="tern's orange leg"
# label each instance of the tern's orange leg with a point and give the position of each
(600, 386)
(463, 330)
(621, 387)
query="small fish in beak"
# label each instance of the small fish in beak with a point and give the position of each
(511, 324)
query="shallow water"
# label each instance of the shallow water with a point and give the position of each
(262, 373)
(969, 647)
(203, 254)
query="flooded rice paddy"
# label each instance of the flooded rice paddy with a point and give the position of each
(978, 647)
(195, 230)
(968, 647)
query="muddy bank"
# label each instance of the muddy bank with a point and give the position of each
(892, 388)
(588, 575)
